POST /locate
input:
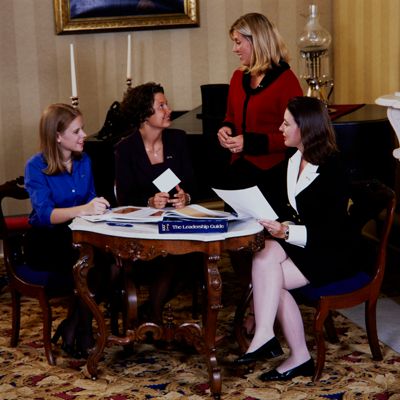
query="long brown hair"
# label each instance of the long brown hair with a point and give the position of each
(268, 45)
(317, 135)
(55, 119)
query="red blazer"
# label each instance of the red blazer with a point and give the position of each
(258, 113)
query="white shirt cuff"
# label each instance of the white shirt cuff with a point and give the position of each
(297, 235)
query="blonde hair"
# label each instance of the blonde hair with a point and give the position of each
(267, 43)
(55, 119)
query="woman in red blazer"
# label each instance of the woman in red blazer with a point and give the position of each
(258, 94)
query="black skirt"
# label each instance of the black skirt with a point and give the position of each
(50, 248)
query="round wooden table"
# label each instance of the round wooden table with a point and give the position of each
(143, 242)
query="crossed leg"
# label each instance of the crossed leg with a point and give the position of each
(273, 275)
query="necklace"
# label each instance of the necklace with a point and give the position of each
(256, 81)
(154, 152)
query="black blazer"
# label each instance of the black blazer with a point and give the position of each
(134, 173)
(329, 254)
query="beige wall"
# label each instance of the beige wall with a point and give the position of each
(35, 69)
(366, 49)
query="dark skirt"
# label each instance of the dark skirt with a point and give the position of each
(50, 248)
(328, 264)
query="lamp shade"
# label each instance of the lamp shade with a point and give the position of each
(314, 37)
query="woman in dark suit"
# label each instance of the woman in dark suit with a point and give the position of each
(310, 243)
(150, 149)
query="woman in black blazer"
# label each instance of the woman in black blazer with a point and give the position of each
(149, 150)
(310, 243)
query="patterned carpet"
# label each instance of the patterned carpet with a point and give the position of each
(155, 373)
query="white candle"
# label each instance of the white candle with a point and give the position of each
(128, 61)
(73, 73)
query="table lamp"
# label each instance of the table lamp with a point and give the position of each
(313, 43)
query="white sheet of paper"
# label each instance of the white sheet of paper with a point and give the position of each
(166, 181)
(248, 202)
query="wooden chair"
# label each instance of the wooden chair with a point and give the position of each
(23, 280)
(370, 200)
(16, 224)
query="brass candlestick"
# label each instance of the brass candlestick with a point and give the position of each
(129, 82)
(74, 101)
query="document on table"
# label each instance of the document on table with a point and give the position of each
(248, 202)
(148, 214)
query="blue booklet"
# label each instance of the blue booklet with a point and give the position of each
(188, 225)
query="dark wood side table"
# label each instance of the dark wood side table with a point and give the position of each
(130, 244)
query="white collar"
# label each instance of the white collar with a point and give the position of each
(294, 185)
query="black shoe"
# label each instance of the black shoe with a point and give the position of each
(59, 331)
(84, 343)
(67, 344)
(80, 354)
(84, 340)
(270, 349)
(69, 350)
(305, 369)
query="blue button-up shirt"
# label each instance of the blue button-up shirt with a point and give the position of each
(63, 190)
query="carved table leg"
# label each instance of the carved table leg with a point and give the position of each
(81, 270)
(214, 290)
(130, 299)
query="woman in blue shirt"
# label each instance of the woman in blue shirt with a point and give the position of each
(60, 185)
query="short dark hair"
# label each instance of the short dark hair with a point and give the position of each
(318, 138)
(137, 104)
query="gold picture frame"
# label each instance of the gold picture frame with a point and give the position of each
(158, 18)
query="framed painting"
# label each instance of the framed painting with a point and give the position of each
(75, 16)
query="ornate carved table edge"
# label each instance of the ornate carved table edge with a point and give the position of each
(255, 242)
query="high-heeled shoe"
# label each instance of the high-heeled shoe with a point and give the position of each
(271, 349)
(81, 354)
(69, 350)
(84, 342)
(82, 351)
(61, 332)
(305, 369)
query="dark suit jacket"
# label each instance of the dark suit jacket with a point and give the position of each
(134, 173)
(330, 251)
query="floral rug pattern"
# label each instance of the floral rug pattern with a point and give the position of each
(152, 372)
